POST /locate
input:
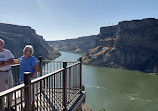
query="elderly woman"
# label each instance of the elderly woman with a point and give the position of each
(28, 63)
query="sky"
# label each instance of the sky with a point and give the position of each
(66, 19)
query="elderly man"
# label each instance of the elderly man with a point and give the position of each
(6, 77)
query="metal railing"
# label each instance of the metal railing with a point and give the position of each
(16, 74)
(56, 86)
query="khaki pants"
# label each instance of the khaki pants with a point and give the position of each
(6, 82)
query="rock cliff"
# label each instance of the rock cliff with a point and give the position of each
(130, 44)
(78, 45)
(16, 37)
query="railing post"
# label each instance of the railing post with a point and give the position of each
(40, 65)
(40, 71)
(1, 105)
(65, 86)
(27, 90)
(80, 59)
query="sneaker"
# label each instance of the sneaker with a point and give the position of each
(11, 109)
(6, 109)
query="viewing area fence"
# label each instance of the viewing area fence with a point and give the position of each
(57, 87)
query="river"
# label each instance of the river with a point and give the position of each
(117, 89)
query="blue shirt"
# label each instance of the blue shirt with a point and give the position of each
(27, 65)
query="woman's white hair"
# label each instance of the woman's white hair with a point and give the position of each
(30, 48)
(2, 41)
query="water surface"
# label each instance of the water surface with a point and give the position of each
(117, 89)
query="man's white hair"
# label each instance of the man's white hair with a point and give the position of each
(2, 41)
(30, 48)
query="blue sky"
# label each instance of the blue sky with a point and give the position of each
(65, 19)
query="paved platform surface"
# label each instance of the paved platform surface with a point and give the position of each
(51, 100)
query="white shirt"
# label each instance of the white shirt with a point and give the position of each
(5, 56)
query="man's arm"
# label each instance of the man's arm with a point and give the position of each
(8, 62)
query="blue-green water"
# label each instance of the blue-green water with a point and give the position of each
(116, 89)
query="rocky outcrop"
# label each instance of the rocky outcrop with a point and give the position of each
(130, 44)
(78, 45)
(16, 37)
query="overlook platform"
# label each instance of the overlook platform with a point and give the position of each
(57, 88)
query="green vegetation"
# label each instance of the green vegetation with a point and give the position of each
(102, 109)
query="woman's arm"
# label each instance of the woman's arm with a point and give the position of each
(16, 61)
(36, 70)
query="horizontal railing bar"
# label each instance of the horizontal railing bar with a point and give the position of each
(59, 61)
(66, 61)
(48, 61)
(47, 75)
(11, 90)
(73, 65)
(14, 65)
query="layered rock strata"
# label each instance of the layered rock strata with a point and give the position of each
(16, 37)
(130, 44)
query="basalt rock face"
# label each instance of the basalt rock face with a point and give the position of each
(78, 45)
(16, 37)
(130, 44)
